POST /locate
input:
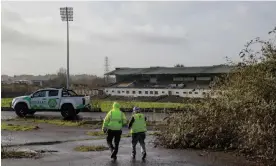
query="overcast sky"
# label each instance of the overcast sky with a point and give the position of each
(131, 34)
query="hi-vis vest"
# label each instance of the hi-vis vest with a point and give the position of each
(139, 124)
(116, 120)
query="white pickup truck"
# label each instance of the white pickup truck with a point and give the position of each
(66, 101)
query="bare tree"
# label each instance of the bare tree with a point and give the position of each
(179, 65)
(59, 80)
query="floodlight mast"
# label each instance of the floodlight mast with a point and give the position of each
(66, 14)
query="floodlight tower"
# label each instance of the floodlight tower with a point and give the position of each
(66, 14)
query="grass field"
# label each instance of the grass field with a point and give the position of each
(107, 105)
(5, 102)
(12, 127)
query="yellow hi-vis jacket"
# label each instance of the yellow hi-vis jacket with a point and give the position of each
(115, 119)
(138, 123)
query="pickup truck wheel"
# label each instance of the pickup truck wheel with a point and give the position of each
(68, 111)
(21, 109)
(78, 111)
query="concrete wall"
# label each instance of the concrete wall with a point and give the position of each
(134, 92)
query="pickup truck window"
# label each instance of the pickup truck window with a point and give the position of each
(67, 93)
(40, 94)
(53, 93)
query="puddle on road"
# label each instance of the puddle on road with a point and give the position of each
(46, 151)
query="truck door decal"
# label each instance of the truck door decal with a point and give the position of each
(52, 103)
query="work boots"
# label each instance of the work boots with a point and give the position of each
(113, 155)
(111, 150)
(144, 155)
(133, 156)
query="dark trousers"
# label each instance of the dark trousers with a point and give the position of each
(114, 134)
(138, 137)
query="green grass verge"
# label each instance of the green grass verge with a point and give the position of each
(83, 148)
(5, 102)
(17, 154)
(96, 124)
(95, 133)
(107, 105)
(58, 122)
(13, 127)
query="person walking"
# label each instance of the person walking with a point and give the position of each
(138, 130)
(112, 126)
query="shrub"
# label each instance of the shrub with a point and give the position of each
(83, 148)
(242, 118)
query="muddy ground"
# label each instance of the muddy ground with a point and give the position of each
(60, 142)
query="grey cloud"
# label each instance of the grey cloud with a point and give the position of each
(103, 37)
(12, 36)
(10, 16)
(130, 33)
(140, 37)
(156, 39)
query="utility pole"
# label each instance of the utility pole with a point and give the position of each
(66, 14)
(106, 70)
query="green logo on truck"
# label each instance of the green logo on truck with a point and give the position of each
(52, 103)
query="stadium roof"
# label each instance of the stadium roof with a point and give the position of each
(218, 69)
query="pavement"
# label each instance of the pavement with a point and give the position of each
(61, 141)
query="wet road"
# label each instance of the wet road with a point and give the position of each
(66, 156)
(84, 115)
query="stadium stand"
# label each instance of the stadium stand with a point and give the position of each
(153, 82)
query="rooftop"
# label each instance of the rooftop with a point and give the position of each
(216, 69)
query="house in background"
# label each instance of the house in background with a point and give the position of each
(22, 82)
(39, 82)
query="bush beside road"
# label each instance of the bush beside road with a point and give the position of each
(242, 118)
